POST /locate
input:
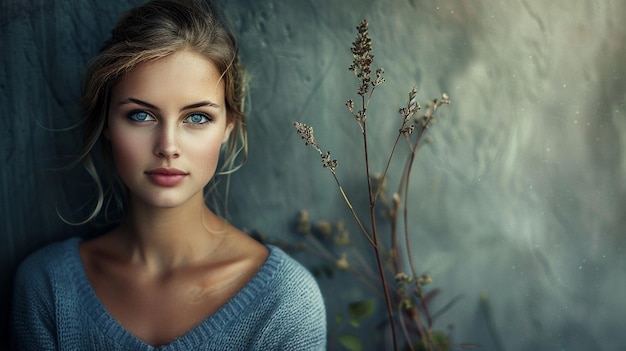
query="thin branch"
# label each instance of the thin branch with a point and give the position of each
(407, 336)
(384, 176)
(379, 262)
(420, 327)
(406, 213)
(354, 214)
(406, 113)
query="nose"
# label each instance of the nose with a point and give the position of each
(166, 144)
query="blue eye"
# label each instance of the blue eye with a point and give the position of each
(140, 116)
(197, 118)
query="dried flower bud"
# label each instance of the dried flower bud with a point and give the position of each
(303, 215)
(403, 278)
(407, 112)
(342, 262)
(340, 226)
(428, 113)
(303, 224)
(324, 228)
(378, 182)
(425, 279)
(406, 131)
(379, 77)
(412, 94)
(342, 238)
(363, 89)
(360, 116)
(362, 60)
(350, 105)
(396, 200)
(306, 133)
(327, 162)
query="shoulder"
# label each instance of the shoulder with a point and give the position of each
(47, 262)
(36, 290)
(291, 284)
(292, 274)
(291, 304)
(48, 268)
(40, 276)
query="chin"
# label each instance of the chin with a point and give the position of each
(164, 202)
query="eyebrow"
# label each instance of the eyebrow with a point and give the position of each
(149, 105)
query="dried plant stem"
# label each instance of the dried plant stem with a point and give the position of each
(319, 249)
(376, 247)
(393, 216)
(384, 176)
(327, 256)
(372, 274)
(351, 208)
(394, 243)
(424, 334)
(412, 311)
(383, 279)
(404, 189)
(407, 336)
(414, 149)
(372, 240)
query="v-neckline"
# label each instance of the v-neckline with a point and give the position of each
(228, 313)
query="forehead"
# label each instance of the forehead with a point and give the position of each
(183, 75)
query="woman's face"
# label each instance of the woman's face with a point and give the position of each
(167, 121)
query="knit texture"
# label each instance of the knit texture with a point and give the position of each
(55, 308)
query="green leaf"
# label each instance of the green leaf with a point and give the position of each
(361, 309)
(351, 342)
(438, 341)
(339, 318)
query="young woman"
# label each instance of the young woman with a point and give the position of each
(164, 97)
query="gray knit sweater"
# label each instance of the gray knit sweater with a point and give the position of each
(55, 308)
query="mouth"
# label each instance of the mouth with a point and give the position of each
(167, 171)
(166, 176)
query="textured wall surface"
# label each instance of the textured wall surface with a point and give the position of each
(520, 197)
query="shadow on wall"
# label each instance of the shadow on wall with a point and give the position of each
(45, 46)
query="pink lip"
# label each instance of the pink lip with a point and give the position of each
(166, 176)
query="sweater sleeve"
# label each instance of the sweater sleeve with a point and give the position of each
(33, 322)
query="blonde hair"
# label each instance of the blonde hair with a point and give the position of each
(150, 31)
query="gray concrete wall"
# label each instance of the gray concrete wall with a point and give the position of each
(520, 196)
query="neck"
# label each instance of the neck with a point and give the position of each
(166, 238)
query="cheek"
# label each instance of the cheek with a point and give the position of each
(125, 148)
(205, 153)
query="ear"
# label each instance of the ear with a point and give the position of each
(229, 128)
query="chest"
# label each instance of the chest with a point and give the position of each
(157, 311)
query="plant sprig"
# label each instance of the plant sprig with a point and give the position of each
(412, 128)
